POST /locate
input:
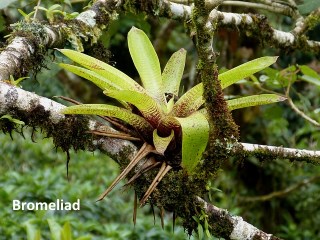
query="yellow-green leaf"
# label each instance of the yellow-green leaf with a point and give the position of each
(189, 102)
(106, 71)
(173, 71)
(245, 70)
(66, 232)
(254, 100)
(146, 62)
(149, 108)
(32, 231)
(194, 95)
(111, 111)
(93, 77)
(161, 143)
(195, 135)
(11, 119)
(55, 229)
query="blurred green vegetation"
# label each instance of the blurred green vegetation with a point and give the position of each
(36, 171)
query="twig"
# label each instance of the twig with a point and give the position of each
(281, 193)
(302, 114)
(294, 107)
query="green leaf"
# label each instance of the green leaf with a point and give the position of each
(112, 111)
(192, 99)
(93, 77)
(208, 234)
(55, 6)
(147, 63)
(161, 143)
(309, 75)
(195, 135)
(173, 71)
(55, 229)
(106, 71)
(245, 70)
(189, 102)
(254, 100)
(306, 70)
(11, 119)
(149, 108)
(32, 232)
(311, 80)
(66, 232)
(200, 231)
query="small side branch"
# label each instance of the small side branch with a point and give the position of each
(293, 154)
(281, 193)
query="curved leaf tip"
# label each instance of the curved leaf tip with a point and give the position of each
(254, 100)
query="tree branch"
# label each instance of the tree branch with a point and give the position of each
(265, 152)
(237, 228)
(281, 193)
(259, 27)
(273, 7)
(30, 41)
(41, 112)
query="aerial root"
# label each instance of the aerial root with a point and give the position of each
(174, 216)
(135, 207)
(144, 151)
(154, 216)
(162, 216)
(162, 172)
(147, 166)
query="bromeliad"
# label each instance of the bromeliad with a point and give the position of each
(165, 125)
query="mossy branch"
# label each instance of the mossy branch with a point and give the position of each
(30, 42)
(232, 227)
(255, 25)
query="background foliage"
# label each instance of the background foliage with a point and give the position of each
(36, 172)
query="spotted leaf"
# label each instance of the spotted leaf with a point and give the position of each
(173, 71)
